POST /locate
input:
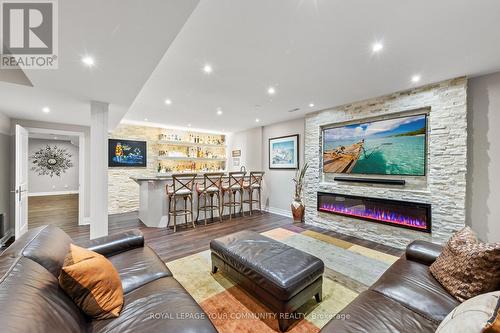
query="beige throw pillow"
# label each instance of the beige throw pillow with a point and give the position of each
(476, 315)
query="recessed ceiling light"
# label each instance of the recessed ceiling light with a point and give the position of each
(207, 69)
(168, 102)
(415, 78)
(377, 47)
(88, 61)
(189, 125)
(271, 91)
(311, 105)
(46, 109)
(257, 120)
(145, 119)
(219, 111)
(55, 138)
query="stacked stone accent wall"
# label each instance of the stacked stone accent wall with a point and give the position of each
(444, 185)
(123, 192)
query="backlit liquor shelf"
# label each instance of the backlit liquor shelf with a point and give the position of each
(180, 151)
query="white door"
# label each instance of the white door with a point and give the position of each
(21, 190)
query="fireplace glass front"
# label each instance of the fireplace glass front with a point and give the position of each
(411, 215)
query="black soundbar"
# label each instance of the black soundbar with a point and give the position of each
(371, 180)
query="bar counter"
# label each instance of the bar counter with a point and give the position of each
(153, 201)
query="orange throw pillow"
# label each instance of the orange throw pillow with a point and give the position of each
(92, 282)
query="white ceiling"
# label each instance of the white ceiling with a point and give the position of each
(315, 51)
(55, 137)
(312, 51)
(127, 38)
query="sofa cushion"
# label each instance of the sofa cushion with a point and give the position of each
(31, 301)
(138, 267)
(278, 268)
(157, 307)
(412, 285)
(373, 312)
(47, 245)
(92, 282)
(468, 267)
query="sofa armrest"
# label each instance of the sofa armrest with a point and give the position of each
(114, 244)
(423, 252)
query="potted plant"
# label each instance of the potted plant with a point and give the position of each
(297, 204)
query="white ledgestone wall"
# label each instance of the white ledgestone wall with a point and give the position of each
(444, 185)
(123, 192)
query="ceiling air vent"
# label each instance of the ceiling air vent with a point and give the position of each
(294, 110)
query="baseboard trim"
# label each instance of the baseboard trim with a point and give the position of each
(86, 220)
(41, 194)
(279, 211)
(6, 237)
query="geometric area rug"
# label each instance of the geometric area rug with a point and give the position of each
(349, 270)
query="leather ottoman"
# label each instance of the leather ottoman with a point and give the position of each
(279, 276)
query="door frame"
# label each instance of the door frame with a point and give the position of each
(81, 166)
(20, 229)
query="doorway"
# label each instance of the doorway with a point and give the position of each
(53, 164)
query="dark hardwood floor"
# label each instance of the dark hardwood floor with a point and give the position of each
(186, 240)
(63, 212)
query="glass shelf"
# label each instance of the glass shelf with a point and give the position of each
(185, 158)
(187, 143)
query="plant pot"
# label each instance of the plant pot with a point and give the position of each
(298, 210)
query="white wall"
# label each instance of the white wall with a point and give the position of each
(250, 144)
(279, 187)
(66, 182)
(483, 179)
(5, 169)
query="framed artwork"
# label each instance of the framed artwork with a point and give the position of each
(126, 153)
(284, 152)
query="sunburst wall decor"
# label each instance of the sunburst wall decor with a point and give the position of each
(50, 161)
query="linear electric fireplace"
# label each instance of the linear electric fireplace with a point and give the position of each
(411, 215)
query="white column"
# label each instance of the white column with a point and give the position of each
(98, 169)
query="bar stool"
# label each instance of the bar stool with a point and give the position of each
(235, 185)
(212, 183)
(254, 183)
(182, 189)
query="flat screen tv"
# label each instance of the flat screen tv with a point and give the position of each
(394, 146)
(126, 153)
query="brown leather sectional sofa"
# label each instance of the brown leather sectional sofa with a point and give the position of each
(406, 298)
(31, 300)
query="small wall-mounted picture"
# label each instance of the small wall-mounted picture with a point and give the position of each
(284, 152)
(126, 153)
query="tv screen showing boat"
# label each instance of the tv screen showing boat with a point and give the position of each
(394, 146)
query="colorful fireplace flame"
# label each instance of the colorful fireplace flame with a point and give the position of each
(382, 215)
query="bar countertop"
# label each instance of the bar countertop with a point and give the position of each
(169, 177)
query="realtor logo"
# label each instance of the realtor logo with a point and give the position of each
(28, 34)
